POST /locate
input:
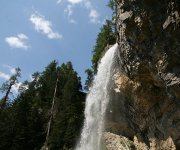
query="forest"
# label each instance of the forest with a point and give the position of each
(49, 110)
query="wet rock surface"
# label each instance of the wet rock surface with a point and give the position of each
(146, 102)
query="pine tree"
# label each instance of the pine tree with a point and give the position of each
(6, 87)
(90, 76)
(24, 122)
(113, 6)
(69, 116)
(105, 38)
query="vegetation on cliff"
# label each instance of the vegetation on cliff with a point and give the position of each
(106, 37)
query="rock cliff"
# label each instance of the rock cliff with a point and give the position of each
(145, 105)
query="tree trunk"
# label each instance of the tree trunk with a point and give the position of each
(6, 97)
(45, 147)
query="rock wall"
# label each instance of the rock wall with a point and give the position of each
(145, 105)
(115, 142)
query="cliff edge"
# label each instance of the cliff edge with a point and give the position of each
(145, 105)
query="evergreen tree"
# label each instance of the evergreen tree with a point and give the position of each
(69, 116)
(90, 76)
(113, 6)
(23, 123)
(6, 87)
(105, 38)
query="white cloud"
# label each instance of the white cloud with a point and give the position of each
(4, 76)
(59, 1)
(44, 26)
(69, 10)
(18, 41)
(88, 4)
(31, 78)
(71, 1)
(11, 69)
(15, 87)
(73, 21)
(74, 1)
(94, 15)
(22, 36)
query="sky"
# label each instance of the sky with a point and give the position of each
(35, 32)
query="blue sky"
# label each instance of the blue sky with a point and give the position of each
(35, 32)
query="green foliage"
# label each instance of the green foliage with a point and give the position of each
(90, 76)
(105, 37)
(69, 116)
(112, 4)
(6, 87)
(24, 122)
(12, 80)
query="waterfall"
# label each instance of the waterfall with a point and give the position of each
(96, 103)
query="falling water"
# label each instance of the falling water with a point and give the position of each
(96, 103)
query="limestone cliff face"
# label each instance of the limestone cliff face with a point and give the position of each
(146, 102)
